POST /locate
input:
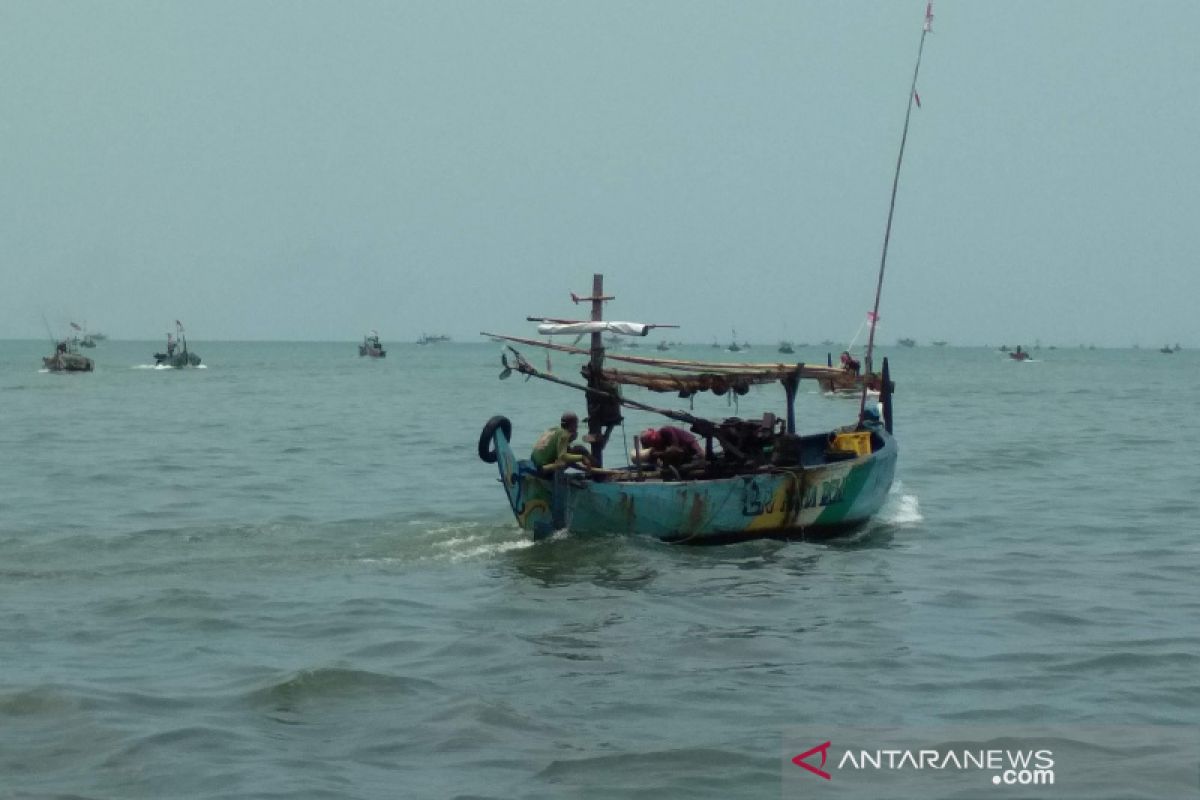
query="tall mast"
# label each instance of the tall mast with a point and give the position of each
(595, 426)
(887, 234)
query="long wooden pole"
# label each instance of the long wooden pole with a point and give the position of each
(703, 426)
(731, 367)
(887, 233)
(595, 426)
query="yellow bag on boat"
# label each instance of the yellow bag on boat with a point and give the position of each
(858, 442)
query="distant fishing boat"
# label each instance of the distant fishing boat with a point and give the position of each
(82, 338)
(907, 342)
(939, 343)
(371, 347)
(434, 339)
(67, 358)
(1019, 354)
(177, 355)
(786, 347)
(849, 378)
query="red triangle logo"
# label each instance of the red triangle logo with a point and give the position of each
(823, 749)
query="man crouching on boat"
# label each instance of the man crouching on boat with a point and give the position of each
(669, 446)
(553, 451)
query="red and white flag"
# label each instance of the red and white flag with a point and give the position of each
(917, 97)
(929, 17)
(872, 317)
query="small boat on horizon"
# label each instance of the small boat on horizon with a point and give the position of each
(1019, 354)
(82, 338)
(177, 355)
(371, 347)
(432, 339)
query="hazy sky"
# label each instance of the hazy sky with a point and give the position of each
(310, 170)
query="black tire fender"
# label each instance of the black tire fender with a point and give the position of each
(487, 451)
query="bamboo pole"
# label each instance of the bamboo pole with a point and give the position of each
(595, 427)
(810, 371)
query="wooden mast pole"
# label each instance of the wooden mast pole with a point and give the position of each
(887, 233)
(595, 426)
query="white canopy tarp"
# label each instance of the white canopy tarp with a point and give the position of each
(577, 328)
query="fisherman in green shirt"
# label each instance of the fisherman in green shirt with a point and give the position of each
(553, 449)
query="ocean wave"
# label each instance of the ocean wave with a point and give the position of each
(686, 770)
(45, 700)
(331, 683)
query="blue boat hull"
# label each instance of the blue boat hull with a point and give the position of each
(816, 500)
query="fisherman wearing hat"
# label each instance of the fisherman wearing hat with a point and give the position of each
(553, 450)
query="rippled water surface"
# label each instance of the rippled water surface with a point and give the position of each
(288, 574)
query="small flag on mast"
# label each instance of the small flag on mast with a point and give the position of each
(917, 97)
(872, 317)
(76, 327)
(929, 17)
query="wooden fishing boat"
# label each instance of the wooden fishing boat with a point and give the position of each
(755, 478)
(177, 354)
(849, 383)
(67, 358)
(371, 346)
(1019, 354)
(759, 478)
(849, 379)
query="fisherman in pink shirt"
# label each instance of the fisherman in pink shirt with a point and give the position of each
(671, 445)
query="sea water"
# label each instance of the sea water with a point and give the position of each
(289, 574)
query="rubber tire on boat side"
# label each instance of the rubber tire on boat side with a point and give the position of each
(486, 451)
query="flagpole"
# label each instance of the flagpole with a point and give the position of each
(887, 233)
